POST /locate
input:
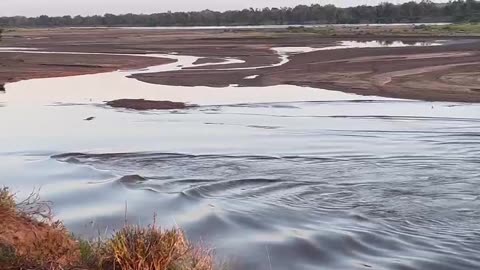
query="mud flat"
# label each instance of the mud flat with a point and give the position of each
(433, 73)
(143, 105)
(17, 66)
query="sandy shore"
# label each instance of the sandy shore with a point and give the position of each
(22, 66)
(441, 73)
(437, 73)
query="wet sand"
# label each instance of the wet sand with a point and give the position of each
(15, 67)
(433, 73)
(206, 60)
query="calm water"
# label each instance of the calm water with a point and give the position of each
(273, 178)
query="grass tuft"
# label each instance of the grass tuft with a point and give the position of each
(7, 200)
(89, 253)
(137, 248)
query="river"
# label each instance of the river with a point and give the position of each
(280, 177)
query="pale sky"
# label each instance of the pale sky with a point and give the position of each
(100, 7)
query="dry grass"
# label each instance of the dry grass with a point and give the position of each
(136, 248)
(7, 201)
(30, 239)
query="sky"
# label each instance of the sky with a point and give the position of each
(100, 7)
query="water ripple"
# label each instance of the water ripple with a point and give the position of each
(343, 212)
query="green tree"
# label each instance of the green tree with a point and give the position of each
(424, 11)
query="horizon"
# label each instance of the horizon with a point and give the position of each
(11, 8)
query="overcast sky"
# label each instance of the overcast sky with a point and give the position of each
(91, 7)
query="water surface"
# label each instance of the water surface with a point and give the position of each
(280, 177)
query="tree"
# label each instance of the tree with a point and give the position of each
(424, 11)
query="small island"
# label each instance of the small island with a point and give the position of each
(144, 105)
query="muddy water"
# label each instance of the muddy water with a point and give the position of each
(274, 178)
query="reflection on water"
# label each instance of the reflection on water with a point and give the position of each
(311, 179)
(390, 43)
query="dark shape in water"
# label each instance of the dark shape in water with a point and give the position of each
(142, 104)
(89, 118)
(131, 179)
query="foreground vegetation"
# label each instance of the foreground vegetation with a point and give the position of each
(424, 11)
(30, 239)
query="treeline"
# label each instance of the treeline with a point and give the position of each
(424, 11)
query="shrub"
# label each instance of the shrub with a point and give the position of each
(7, 200)
(136, 248)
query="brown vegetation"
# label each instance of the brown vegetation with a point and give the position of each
(30, 239)
(136, 248)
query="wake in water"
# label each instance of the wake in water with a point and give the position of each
(388, 212)
(377, 191)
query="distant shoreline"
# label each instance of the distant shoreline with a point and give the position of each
(246, 27)
(383, 13)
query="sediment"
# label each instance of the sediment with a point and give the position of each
(434, 73)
